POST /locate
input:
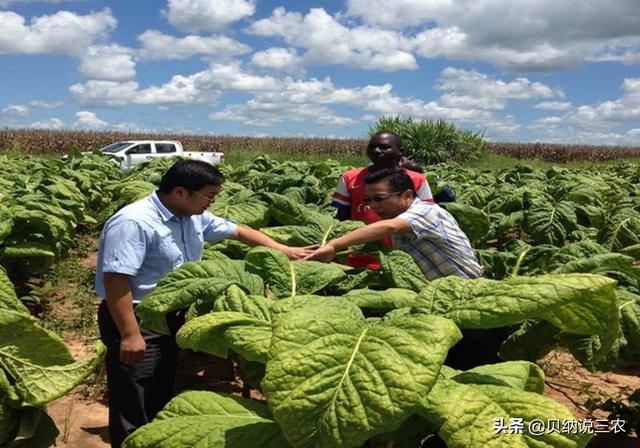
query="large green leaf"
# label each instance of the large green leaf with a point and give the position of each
(235, 299)
(632, 251)
(629, 305)
(621, 230)
(6, 223)
(291, 213)
(243, 207)
(521, 375)
(9, 418)
(335, 379)
(193, 282)
(201, 419)
(318, 232)
(216, 332)
(238, 322)
(28, 250)
(401, 271)
(289, 278)
(497, 265)
(468, 415)
(37, 221)
(27, 427)
(388, 299)
(534, 339)
(548, 221)
(617, 266)
(8, 298)
(576, 303)
(37, 361)
(473, 221)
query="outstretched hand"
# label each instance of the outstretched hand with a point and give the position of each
(299, 253)
(324, 253)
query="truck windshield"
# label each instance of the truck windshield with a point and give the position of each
(115, 147)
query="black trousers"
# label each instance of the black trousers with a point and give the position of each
(137, 393)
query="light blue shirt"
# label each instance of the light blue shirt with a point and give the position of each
(146, 241)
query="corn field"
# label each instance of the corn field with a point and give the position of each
(60, 142)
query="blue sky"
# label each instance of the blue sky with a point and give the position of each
(534, 70)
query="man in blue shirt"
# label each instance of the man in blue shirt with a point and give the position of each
(139, 245)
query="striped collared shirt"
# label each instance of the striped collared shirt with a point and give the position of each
(437, 244)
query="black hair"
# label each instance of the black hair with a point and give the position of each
(398, 180)
(396, 137)
(191, 175)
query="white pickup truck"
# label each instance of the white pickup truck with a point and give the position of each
(134, 152)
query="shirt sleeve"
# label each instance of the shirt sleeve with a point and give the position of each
(341, 197)
(423, 222)
(216, 229)
(423, 191)
(124, 248)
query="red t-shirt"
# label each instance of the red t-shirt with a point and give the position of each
(350, 192)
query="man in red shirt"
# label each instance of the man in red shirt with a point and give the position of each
(385, 151)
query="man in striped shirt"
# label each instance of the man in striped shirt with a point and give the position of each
(423, 229)
(384, 151)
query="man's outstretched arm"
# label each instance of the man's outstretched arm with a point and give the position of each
(372, 232)
(252, 237)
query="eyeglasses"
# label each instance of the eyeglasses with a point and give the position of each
(208, 198)
(378, 199)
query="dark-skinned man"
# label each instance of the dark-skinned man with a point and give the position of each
(384, 151)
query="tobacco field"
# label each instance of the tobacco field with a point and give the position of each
(340, 357)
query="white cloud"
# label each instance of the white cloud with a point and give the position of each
(309, 100)
(231, 76)
(398, 13)
(127, 126)
(51, 123)
(205, 15)
(626, 57)
(104, 93)
(474, 102)
(199, 88)
(554, 105)
(471, 82)
(277, 59)
(547, 121)
(16, 110)
(540, 35)
(179, 91)
(596, 123)
(89, 121)
(610, 113)
(62, 33)
(572, 136)
(205, 86)
(40, 104)
(257, 113)
(107, 62)
(329, 42)
(159, 46)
